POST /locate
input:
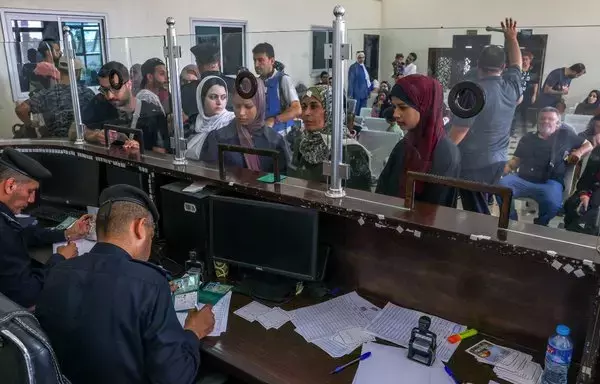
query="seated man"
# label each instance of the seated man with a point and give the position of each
(541, 161)
(55, 103)
(21, 278)
(109, 313)
(121, 107)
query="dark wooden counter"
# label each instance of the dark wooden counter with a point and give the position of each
(426, 259)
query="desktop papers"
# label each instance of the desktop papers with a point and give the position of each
(83, 246)
(220, 310)
(509, 364)
(336, 326)
(394, 324)
(267, 317)
(389, 365)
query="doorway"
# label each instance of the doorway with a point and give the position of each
(371, 48)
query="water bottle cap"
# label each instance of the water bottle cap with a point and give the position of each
(563, 330)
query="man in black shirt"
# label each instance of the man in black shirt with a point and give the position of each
(117, 105)
(541, 161)
(529, 89)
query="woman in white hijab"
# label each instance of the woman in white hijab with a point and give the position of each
(211, 96)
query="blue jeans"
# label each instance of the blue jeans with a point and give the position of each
(548, 195)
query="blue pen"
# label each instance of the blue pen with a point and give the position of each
(449, 372)
(342, 367)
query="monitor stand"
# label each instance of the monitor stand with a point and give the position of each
(265, 286)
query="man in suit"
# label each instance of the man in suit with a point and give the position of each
(359, 82)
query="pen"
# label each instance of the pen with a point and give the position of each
(449, 372)
(342, 367)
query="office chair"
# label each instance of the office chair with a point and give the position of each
(25, 352)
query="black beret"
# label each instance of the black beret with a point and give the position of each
(24, 164)
(205, 53)
(130, 194)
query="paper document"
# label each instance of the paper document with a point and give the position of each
(345, 342)
(221, 312)
(330, 317)
(83, 245)
(252, 310)
(389, 365)
(395, 324)
(195, 186)
(185, 301)
(275, 318)
(92, 234)
(530, 374)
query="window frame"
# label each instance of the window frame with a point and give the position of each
(7, 15)
(220, 23)
(328, 31)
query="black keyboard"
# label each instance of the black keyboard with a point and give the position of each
(56, 215)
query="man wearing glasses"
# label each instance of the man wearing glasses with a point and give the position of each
(116, 105)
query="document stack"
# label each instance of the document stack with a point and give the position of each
(510, 365)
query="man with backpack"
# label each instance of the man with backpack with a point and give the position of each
(283, 104)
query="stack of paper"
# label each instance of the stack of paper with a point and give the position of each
(336, 326)
(220, 310)
(251, 311)
(389, 365)
(509, 364)
(395, 324)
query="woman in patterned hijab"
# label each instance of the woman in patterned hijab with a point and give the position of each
(313, 146)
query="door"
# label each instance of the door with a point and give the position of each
(536, 44)
(371, 47)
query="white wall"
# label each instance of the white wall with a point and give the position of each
(432, 24)
(136, 27)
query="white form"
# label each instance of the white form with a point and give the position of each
(185, 301)
(330, 317)
(252, 310)
(221, 312)
(83, 246)
(395, 324)
(389, 365)
(275, 318)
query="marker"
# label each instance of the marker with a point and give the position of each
(449, 372)
(461, 336)
(342, 367)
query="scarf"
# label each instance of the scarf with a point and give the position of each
(424, 94)
(245, 132)
(206, 124)
(313, 146)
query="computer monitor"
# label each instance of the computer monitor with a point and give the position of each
(75, 181)
(268, 237)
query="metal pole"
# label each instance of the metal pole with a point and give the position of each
(338, 70)
(173, 53)
(68, 38)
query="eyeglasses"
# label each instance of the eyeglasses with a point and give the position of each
(105, 91)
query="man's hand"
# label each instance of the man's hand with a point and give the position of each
(533, 99)
(585, 201)
(200, 322)
(565, 90)
(68, 251)
(507, 169)
(270, 122)
(79, 229)
(131, 145)
(573, 157)
(509, 26)
(173, 287)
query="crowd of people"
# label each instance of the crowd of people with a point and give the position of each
(297, 121)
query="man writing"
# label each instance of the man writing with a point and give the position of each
(109, 313)
(21, 278)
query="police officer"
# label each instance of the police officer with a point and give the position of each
(21, 278)
(109, 314)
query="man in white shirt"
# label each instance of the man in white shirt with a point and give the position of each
(411, 67)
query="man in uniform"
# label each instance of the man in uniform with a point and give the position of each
(109, 314)
(21, 278)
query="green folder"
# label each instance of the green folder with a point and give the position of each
(211, 293)
(270, 178)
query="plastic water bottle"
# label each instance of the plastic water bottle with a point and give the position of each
(558, 356)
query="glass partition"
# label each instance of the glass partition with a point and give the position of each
(450, 55)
